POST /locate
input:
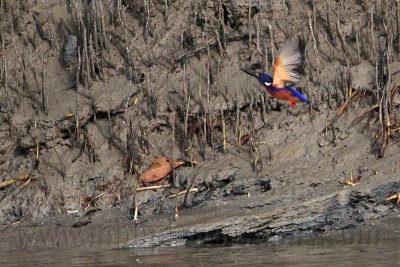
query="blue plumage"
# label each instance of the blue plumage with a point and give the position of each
(267, 80)
(298, 94)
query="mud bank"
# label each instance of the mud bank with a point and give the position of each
(92, 91)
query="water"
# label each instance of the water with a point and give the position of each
(361, 247)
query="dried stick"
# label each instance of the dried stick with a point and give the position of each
(249, 21)
(258, 35)
(12, 181)
(271, 34)
(191, 190)
(223, 131)
(187, 100)
(63, 172)
(91, 202)
(372, 31)
(328, 18)
(342, 39)
(36, 144)
(33, 69)
(153, 187)
(166, 12)
(78, 70)
(42, 91)
(310, 24)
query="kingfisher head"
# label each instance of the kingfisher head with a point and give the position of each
(262, 77)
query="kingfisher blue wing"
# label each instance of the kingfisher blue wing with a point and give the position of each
(297, 94)
(285, 65)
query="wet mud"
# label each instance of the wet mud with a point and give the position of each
(93, 91)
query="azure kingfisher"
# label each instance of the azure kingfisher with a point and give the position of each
(284, 72)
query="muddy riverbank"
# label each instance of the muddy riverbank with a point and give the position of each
(92, 91)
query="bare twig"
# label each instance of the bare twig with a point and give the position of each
(91, 202)
(42, 91)
(191, 190)
(310, 24)
(12, 181)
(154, 187)
(63, 172)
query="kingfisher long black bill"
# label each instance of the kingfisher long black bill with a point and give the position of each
(251, 73)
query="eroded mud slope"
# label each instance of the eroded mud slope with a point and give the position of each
(93, 90)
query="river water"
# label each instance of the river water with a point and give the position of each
(375, 246)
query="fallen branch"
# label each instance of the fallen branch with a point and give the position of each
(93, 200)
(341, 109)
(14, 223)
(9, 182)
(394, 197)
(362, 115)
(191, 190)
(352, 181)
(153, 187)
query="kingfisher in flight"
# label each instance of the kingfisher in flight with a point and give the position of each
(285, 74)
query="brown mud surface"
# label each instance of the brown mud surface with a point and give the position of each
(82, 116)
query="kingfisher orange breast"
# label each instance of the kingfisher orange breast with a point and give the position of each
(281, 94)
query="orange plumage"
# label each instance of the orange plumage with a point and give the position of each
(284, 67)
(284, 95)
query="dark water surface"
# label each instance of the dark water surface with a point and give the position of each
(362, 247)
